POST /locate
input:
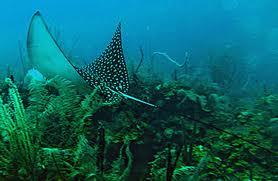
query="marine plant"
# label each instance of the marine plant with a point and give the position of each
(48, 138)
(82, 137)
(19, 145)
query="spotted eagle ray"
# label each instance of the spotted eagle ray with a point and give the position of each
(108, 72)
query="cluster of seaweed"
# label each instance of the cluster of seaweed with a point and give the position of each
(51, 132)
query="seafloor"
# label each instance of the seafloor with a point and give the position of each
(49, 131)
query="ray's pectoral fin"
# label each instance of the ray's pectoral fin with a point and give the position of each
(45, 54)
(109, 72)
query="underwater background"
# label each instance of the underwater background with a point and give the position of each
(199, 27)
(205, 73)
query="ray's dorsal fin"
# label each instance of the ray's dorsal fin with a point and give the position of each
(109, 72)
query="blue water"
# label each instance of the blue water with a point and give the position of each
(216, 119)
(173, 26)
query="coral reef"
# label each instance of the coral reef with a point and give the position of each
(49, 131)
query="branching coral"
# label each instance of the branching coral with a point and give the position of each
(170, 59)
